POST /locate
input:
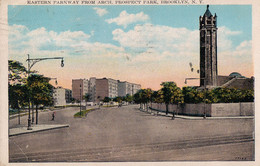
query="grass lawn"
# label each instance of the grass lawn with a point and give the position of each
(83, 113)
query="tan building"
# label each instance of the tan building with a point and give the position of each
(61, 96)
(125, 88)
(92, 89)
(79, 88)
(106, 87)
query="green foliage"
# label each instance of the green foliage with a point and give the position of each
(129, 98)
(118, 99)
(18, 97)
(83, 113)
(16, 72)
(87, 97)
(192, 95)
(171, 93)
(217, 95)
(41, 91)
(106, 99)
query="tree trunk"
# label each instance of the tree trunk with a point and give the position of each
(19, 120)
(32, 113)
(167, 109)
(36, 114)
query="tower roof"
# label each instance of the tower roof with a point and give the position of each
(207, 13)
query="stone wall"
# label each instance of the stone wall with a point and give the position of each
(214, 110)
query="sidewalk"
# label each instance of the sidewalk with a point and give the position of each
(35, 128)
(197, 117)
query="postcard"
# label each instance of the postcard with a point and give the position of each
(132, 82)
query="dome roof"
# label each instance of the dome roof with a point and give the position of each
(236, 74)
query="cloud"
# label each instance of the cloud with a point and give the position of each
(158, 38)
(40, 41)
(101, 12)
(225, 38)
(124, 19)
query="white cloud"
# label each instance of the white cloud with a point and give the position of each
(43, 42)
(149, 37)
(101, 12)
(224, 38)
(124, 19)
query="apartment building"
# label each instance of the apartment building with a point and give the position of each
(106, 87)
(61, 96)
(125, 88)
(79, 88)
(92, 89)
(99, 88)
(135, 88)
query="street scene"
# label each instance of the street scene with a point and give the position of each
(145, 88)
(128, 134)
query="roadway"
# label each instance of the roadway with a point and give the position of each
(128, 134)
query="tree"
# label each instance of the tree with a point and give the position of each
(128, 98)
(16, 72)
(192, 95)
(171, 94)
(146, 97)
(87, 97)
(41, 91)
(18, 97)
(118, 99)
(106, 100)
(17, 91)
(137, 97)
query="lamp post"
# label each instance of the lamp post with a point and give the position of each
(30, 65)
(80, 99)
(204, 89)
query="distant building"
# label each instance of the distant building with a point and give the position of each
(92, 89)
(99, 88)
(135, 88)
(106, 87)
(236, 80)
(79, 88)
(125, 88)
(61, 96)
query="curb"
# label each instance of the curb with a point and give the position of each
(48, 127)
(198, 117)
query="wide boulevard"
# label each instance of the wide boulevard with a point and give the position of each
(128, 134)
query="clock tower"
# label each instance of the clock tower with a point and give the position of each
(208, 50)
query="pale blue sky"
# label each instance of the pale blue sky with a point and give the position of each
(84, 18)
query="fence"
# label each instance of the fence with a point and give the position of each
(214, 110)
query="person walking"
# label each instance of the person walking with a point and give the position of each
(53, 115)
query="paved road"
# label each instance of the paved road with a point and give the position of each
(127, 134)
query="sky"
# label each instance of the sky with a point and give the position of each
(147, 45)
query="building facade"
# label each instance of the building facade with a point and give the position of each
(208, 50)
(106, 87)
(79, 88)
(98, 89)
(62, 96)
(92, 89)
(125, 88)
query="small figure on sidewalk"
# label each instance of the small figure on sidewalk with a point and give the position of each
(53, 115)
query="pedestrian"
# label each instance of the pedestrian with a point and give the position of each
(53, 115)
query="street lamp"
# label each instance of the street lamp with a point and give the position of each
(204, 88)
(56, 81)
(30, 65)
(80, 99)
